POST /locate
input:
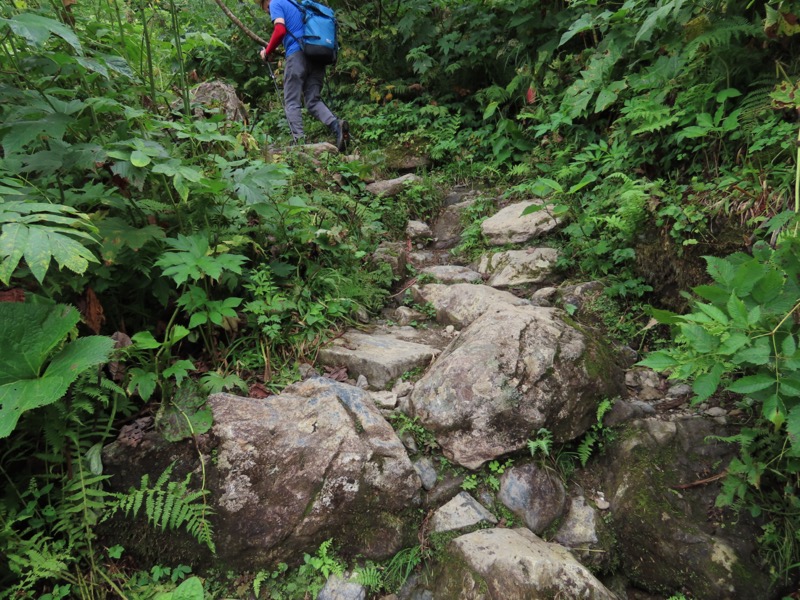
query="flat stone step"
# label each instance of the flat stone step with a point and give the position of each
(380, 357)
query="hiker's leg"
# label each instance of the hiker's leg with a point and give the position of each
(293, 75)
(315, 77)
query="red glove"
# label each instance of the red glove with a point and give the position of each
(277, 37)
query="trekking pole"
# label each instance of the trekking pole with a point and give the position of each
(274, 81)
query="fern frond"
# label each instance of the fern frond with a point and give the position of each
(721, 34)
(168, 505)
(585, 448)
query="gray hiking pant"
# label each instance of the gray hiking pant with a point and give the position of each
(304, 79)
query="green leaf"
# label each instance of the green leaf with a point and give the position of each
(793, 430)
(142, 381)
(707, 384)
(758, 354)
(13, 241)
(733, 343)
(37, 29)
(28, 335)
(752, 383)
(38, 253)
(715, 313)
(145, 340)
(788, 345)
(658, 361)
(585, 180)
(737, 311)
(720, 270)
(139, 159)
(584, 23)
(490, 110)
(646, 30)
(768, 287)
(699, 338)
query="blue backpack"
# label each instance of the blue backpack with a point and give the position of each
(320, 40)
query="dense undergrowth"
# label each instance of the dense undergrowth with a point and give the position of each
(219, 258)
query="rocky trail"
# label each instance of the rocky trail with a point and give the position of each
(423, 433)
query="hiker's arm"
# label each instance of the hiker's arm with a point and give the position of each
(277, 37)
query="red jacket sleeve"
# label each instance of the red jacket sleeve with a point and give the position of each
(277, 37)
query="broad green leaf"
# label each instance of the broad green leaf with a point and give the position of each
(139, 159)
(768, 287)
(747, 276)
(179, 370)
(707, 384)
(774, 411)
(758, 354)
(13, 241)
(737, 311)
(584, 23)
(143, 382)
(608, 95)
(646, 30)
(793, 430)
(720, 270)
(752, 383)
(585, 180)
(28, 334)
(27, 394)
(699, 338)
(145, 340)
(490, 110)
(715, 313)
(788, 345)
(79, 355)
(37, 29)
(197, 319)
(658, 361)
(754, 316)
(733, 343)
(712, 293)
(790, 386)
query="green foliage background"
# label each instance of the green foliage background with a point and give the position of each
(225, 260)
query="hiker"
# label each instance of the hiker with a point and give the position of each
(301, 77)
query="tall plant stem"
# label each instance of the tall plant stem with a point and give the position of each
(123, 42)
(797, 178)
(176, 31)
(148, 51)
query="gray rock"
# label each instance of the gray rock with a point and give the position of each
(449, 274)
(380, 357)
(513, 565)
(666, 538)
(394, 254)
(289, 471)
(427, 472)
(512, 371)
(461, 512)
(337, 588)
(448, 227)
(405, 315)
(392, 187)
(518, 267)
(461, 303)
(508, 226)
(416, 230)
(535, 495)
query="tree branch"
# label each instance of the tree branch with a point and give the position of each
(239, 24)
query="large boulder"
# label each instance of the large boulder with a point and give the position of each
(668, 534)
(509, 226)
(506, 564)
(511, 372)
(288, 472)
(518, 267)
(460, 304)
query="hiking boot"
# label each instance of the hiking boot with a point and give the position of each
(342, 131)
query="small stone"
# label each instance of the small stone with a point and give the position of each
(716, 411)
(362, 382)
(600, 501)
